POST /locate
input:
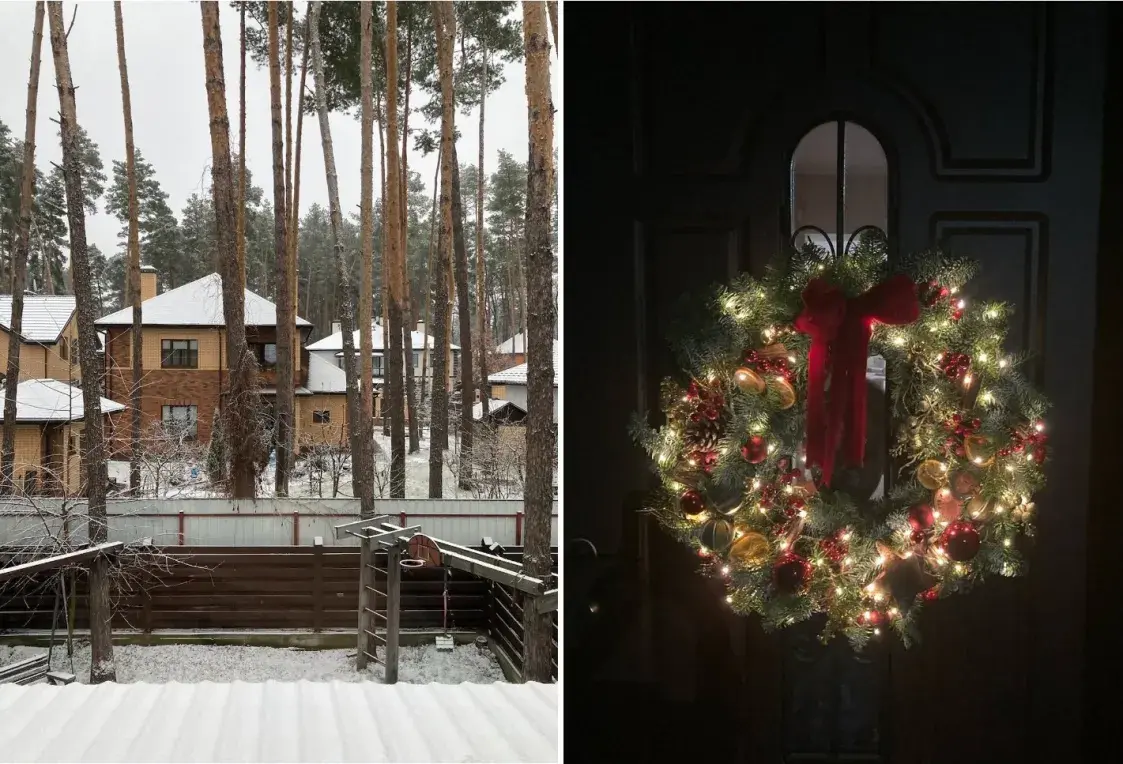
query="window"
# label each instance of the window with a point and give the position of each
(839, 188)
(75, 444)
(179, 354)
(64, 348)
(266, 354)
(321, 417)
(416, 359)
(181, 420)
(376, 365)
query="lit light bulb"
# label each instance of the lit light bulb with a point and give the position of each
(976, 460)
(703, 551)
(846, 536)
(791, 359)
(958, 568)
(899, 341)
(967, 380)
(1040, 426)
(878, 596)
(881, 559)
(803, 513)
(954, 289)
(961, 304)
(789, 489)
(999, 509)
(838, 590)
(729, 599)
(987, 397)
(725, 570)
(848, 560)
(907, 554)
(982, 356)
(894, 612)
(771, 447)
(760, 508)
(936, 514)
(756, 485)
(1006, 542)
(876, 632)
(783, 545)
(871, 588)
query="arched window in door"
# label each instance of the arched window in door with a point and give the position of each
(839, 188)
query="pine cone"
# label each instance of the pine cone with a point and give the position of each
(704, 434)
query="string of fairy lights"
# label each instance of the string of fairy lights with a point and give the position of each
(967, 454)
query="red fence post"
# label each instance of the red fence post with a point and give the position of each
(296, 528)
(518, 528)
(402, 516)
(182, 530)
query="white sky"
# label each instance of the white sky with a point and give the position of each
(163, 45)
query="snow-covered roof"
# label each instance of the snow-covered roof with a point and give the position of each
(49, 400)
(196, 304)
(280, 721)
(494, 407)
(513, 345)
(44, 315)
(335, 341)
(516, 375)
(324, 377)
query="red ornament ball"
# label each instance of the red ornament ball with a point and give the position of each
(921, 517)
(834, 548)
(692, 503)
(961, 540)
(790, 573)
(755, 450)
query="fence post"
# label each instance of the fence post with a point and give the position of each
(519, 528)
(296, 528)
(365, 582)
(318, 584)
(182, 528)
(147, 613)
(393, 610)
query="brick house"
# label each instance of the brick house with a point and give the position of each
(49, 422)
(49, 340)
(184, 363)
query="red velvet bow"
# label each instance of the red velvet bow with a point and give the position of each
(840, 330)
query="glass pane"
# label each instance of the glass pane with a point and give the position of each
(815, 188)
(269, 354)
(865, 184)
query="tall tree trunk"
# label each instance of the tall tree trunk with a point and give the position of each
(134, 253)
(241, 405)
(240, 209)
(343, 278)
(387, 414)
(540, 432)
(407, 335)
(481, 292)
(294, 209)
(19, 257)
(364, 472)
(396, 261)
(102, 668)
(425, 371)
(285, 390)
(464, 302)
(552, 5)
(445, 25)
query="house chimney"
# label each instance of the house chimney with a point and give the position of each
(336, 327)
(147, 282)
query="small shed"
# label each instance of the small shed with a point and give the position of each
(280, 721)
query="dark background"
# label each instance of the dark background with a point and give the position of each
(1002, 126)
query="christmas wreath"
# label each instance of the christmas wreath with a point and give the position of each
(765, 464)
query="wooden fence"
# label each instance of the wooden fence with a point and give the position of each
(247, 588)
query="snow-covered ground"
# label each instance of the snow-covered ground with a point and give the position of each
(222, 663)
(192, 481)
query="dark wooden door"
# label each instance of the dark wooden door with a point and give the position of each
(990, 117)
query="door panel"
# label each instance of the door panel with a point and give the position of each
(991, 118)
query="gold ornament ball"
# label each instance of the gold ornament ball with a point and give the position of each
(748, 381)
(931, 473)
(963, 484)
(785, 390)
(980, 449)
(750, 549)
(978, 507)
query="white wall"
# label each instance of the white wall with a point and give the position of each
(516, 394)
(331, 357)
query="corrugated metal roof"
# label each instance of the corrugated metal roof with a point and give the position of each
(279, 721)
(196, 304)
(44, 315)
(50, 400)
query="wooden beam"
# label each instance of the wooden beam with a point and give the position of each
(345, 530)
(547, 602)
(61, 560)
(518, 580)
